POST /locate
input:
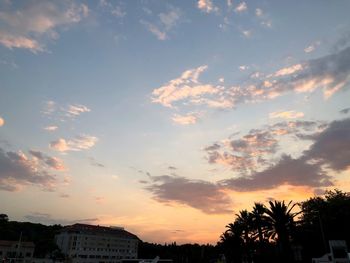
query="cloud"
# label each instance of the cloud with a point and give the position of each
(296, 172)
(27, 25)
(243, 154)
(165, 23)
(288, 70)
(256, 150)
(2, 121)
(207, 6)
(115, 10)
(199, 194)
(187, 86)
(242, 7)
(247, 33)
(312, 47)
(93, 162)
(47, 219)
(263, 17)
(187, 119)
(81, 142)
(51, 128)
(70, 111)
(345, 111)
(286, 114)
(259, 12)
(161, 35)
(329, 151)
(76, 109)
(330, 74)
(52, 162)
(17, 171)
(64, 195)
(170, 19)
(99, 199)
(49, 107)
(332, 146)
(243, 67)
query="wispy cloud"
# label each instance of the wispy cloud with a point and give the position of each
(246, 33)
(259, 12)
(76, 109)
(263, 18)
(69, 111)
(79, 143)
(93, 162)
(241, 7)
(27, 25)
(164, 24)
(288, 70)
(49, 107)
(312, 47)
(187, 86)
(329, 73)
(51, 128)
(114, 9)
(187, 119)
(154, 29)
(207, 6)
(286, 114)
(243, 67)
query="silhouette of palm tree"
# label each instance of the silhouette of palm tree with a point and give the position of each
(280, 220)
(258, 221)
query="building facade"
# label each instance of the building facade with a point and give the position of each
(16, 251)
(97, 244)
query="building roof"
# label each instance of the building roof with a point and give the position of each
(9, 243)
(98, 230)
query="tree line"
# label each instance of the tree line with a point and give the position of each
(275, 232)
(287, 232)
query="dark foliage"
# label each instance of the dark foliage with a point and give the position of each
(276, 233)
(42, 236)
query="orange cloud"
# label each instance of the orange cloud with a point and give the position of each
(187, 119)
(286, 114)
(288, 70)
(81, 142)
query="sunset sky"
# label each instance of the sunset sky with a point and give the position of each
(168, 117)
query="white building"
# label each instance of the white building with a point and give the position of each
(97, 244)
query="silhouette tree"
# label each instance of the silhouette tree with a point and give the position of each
(233, 242)
(280, 220)
(244, 221)
(258, 221)
(4, 218)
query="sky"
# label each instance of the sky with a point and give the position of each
(169, 117)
